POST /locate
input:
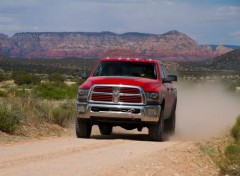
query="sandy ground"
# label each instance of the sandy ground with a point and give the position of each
(123, 153)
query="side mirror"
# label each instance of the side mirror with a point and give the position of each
(84, 75)
(169, 79)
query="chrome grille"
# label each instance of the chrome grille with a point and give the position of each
(116, 94)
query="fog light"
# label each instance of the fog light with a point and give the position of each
(152, 112)
(81, 109)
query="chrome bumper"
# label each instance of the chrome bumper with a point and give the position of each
(146, 113)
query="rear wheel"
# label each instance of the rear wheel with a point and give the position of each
(83, 128)
(156, 131)
(105, 129)
(171, 122)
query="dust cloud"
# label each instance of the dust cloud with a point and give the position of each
(205, 111)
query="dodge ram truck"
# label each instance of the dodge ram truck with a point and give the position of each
(132, 93)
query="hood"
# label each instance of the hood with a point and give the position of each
(145, 83)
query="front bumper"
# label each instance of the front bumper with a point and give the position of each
(145, 113)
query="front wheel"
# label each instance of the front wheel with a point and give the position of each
(105, 129)
(83, 128)
(156, 131)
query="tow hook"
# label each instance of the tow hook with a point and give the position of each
(132, 111)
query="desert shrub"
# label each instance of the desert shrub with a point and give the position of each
(231, 165)
(1, 76)
(233, 153)
(3, 93)
(235, 131)
(15, 92)
(230, 162)
(11, 91)
(56, 77)
(54, 112)
(23, 77)
(63, 113)
(35, 79)
(10, 116)
(22, 93)
(15, 112)
(42, 111)
(55, 90)
(80, 81)
(72, 91)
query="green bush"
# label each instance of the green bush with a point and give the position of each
(10, 116)
(35, 80)
(55, 90)
(230, 163)
(56, 77)
(235, 131)
(22, 93)
(233, 153)
(23, 77)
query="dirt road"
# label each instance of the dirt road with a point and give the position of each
(119, 154)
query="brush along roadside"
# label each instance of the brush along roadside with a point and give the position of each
(225, 151)
(24, 116)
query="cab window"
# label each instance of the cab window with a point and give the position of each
(163, 72)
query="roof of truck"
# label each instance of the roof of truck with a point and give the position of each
(127, 59)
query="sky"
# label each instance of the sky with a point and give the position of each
(206, 21)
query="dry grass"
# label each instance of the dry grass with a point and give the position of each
(18, 113)
(31, 131)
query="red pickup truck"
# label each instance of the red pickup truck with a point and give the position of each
(130, 93)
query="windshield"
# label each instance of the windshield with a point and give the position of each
(133, 69)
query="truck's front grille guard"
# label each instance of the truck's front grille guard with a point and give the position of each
(142, 94)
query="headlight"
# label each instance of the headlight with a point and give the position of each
(152, 97)
(83, 94)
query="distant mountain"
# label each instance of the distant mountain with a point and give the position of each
(214, 47)
(228, 61)
(172, 45)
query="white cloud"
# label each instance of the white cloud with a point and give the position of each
(227, 12)
(11, 27)
(235, 36)
(235, 33)
(6, 19)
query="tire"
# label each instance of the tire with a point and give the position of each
(105, 129)
(170, 123)
(83, 128)
(156, 131)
